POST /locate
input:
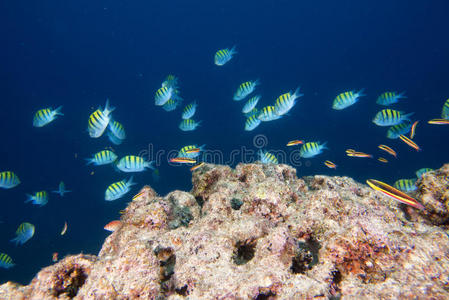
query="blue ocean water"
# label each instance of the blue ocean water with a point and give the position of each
(79, 53)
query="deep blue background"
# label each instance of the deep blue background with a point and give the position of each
(77, 53)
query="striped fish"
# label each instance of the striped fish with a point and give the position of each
(163, 95)
(170, 81)
(250, 104)
(393, 193)
(245, 89)
(23, 233)
(311, 149)
(406, 185)
(224, 55)
(189, 110)
(388, 98)
(445, 111)
(171, 104)
(5, 261)
(253, 112)
(186, 151)
(286, 101)
(421, 171)
(117, 129)
(103, 157)
(266, 157)
(346, 99)
(8, 180)
(132, 163)
(39, 198)
(99, 120)
(390, 117)
(397, 130)
(118, 189)
(189, 125)
(268, 113)
(44, 116)
(113, 139)
(251, 123)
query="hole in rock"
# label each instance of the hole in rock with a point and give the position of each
(266, 296)
(199, 200)
(244, 251)
(236, 203)
(182, 291)
(334, 288)
(69, 281)
(306, 256)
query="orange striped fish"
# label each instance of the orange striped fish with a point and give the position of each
(183, 160)
(394, 193)
(413, 130)
(330, 164)
(295, 142)
(381, 159)
(193, 150)
(197, 166)
(439, 122)
(137, 196)
(409, 142)
(388, 150)
(349, 151)
(359, 154)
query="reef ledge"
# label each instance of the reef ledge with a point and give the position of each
(260, 232)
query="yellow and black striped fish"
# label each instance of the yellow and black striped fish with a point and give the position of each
(445, 111)
(8, 180)
(224, 55)
(268, 113)
(44, 116)
(99, 120)
(390, 117)
(267, 158)
(132, 163)
(5, 261)
(311, 149)
(245, 89)
(406, 185)
(39, 198)
(388, 98)
(118, 189)
(103, 157)
(251, 123)
(346, 99)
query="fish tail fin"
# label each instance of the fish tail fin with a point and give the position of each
(233, 50)
(401, 95)
(361, 93)
(199, 123)
(29, 198)
(407, 116)
(298, 93)
(58, 111)
(149, 164)
(15, 240)
(89, 161)
(324, 146)
(257, 82)
(202, 147)
(130, 181)
(108, 109)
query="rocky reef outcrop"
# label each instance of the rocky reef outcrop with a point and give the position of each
(259, 232)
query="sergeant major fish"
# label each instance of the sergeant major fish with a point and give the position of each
(388, 98)
(311, 149)
(163, 95)
(224, 55)
(286, 101)
(189, 125)
(8, 180)
(103, 157)
(189, 110)
(250, 104)
(390, 117)
(346, 99)
(118, 189)
(61, 189)
(39, 198)
(132, 163)
(45, 116)
(24, 232)
(245, 89)
(99, 120)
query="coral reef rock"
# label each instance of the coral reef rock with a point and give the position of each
(259, 232)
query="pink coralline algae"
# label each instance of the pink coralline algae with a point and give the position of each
(259, 232)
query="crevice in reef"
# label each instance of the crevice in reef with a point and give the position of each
(69, 281)
(182, 291)
(334, 288)
(236, 203)
(167, 261)
(306, 256)
(244, 251)
(268, 295)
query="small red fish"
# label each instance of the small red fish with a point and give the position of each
(113, 225)
(183, 160)
(295, 142)
(409, 142)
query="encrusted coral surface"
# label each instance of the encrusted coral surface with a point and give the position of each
(259, 232)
